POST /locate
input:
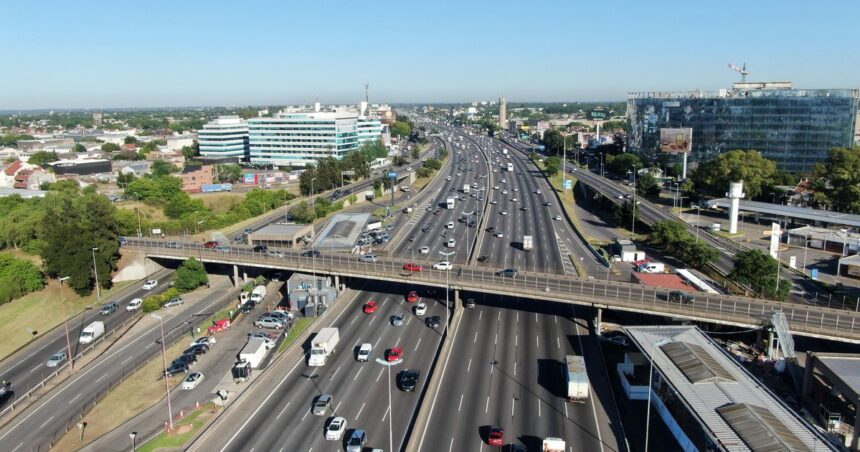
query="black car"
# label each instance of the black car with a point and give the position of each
(433, 322)
(6, 395)
(189, 360)
(174, 369)
(426, 228)
(198, 349)
(247, 307)
(407, 380)
(260, 249)
(311, 253)
(491, 228)
(483, 258)
(508, 272)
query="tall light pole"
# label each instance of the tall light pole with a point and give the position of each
(389, 365)
(133, 435)
(164, 372)
(633, 212)
(696, 206)
(659, 343)
(96, 273)
(447, 287)
(197, 226)
(139, 229)
(468, 242)
(66, 323)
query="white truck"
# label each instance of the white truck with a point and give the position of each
(652, 267)
(577, 378)
(322, 346)
(450, 202)
(254, 351)
(258, 294)
(369, 195)
(373, 226)
(528, 244)
(505, 151)
(92, 332)
(553, 445)
(466, 189)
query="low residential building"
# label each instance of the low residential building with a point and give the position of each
(195, 177)
(33, 178)
(178, 142)
(83, 167)
(50, 144)
(139, 169)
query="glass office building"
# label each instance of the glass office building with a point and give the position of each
(299, 138)
(794, 127)
(226, 136)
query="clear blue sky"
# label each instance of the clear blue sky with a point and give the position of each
(103, 54)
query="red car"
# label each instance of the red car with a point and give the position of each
(370, 307)
(413, 267)
(496, 437)
(219, 326)
(211, 244)
(412, 297)
(393, 354)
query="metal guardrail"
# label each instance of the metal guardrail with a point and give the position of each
(733, 310)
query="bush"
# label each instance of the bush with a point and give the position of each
(155, 302)
(190, 275)
(18, 277)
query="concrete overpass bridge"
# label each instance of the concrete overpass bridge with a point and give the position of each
(807, 320)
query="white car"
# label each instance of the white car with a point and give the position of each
(513, 199)
(558, 218)
(537, 192)
(134, 305)
(209, 341)
(420, 309)
(364, 352)
(504, 212)
(516, 189)
(149, 285)
(493, 201)
(192, 380)
(496, 187)
(424, 249)
(442, 266)
(450, 225)
(504, 192)
(500, 235)
(451, 243)
(335, 430)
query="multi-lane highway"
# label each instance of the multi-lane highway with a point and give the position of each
(281, 419)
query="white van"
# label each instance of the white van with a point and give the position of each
(134, 305)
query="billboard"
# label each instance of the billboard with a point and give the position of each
(598, 114)
(676, 141)
(250, 179)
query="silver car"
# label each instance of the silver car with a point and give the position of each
(57, 358)
(268, 322)
(397, 319)
(322, 405)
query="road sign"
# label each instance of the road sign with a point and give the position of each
(568, 184)
(392, 175)
(814, 273)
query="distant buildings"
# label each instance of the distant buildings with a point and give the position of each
(195, 177)
(226, 136)
(794, 127)
(23, 176)
(298, 137)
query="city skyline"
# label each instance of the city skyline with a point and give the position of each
(105, 55)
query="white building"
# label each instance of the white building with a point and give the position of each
(176, 143)
(298, 137)
(226, 136)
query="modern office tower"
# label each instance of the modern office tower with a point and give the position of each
(226, 136)
(794, 127)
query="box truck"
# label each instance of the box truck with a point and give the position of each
(553, 445)
(466, 189)
(92, 332)
(577, 378)
(527, 243)
(450, 202)
(652, 267)
(322, 346)
(254, 351)
(241, 371)
(258, 294)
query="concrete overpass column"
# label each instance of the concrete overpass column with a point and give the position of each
(456, 297)
(808, 375)
(856, 434)
(598, 321)
(337, 282)
(236, 282)
(244, 274)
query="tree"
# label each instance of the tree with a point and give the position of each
(302, 213)
(12, 139)
(356, 161)
(553, 166)
(677, 240)
(42, 158)
(647, 186)
(190, 152)
(123, 179)
(621, 164)
(838, 178)
(758, 270)
(130, 140)
(666, 232)
(401, 128)
(110, 147)
(229, 172)
(78, 147)
(154, 188)
(624, 213)
(553, 142)
(18, 277)
(416, 152)
(712, 178)
(180, 204)
(190, 275)
(161, 168)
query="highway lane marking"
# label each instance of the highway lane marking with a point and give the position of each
(283, 409)
(46, 422)
(380, 375)
(499, 318)
(22, 443)
(384, 415)
(416, 345)
(476, 338)
(590, 402)
(565, 411)
(496, 340)
(335, 373)
(127, 360)
(377, 342)
(557, 343)
(487, 406)
(397, 342)
(538, 407)
(461, 403)
(150, 345)
(358, 416)
(337, 407)
(74, 398)
(513, 403)
(358, 373)
(480, 314)
(101, 378)
(537, 341)
(450, 446)
(516, 340)
(518, 317)
(469, 367)
(306, 415)
(353, 320)
(515, 367)
(38, 366)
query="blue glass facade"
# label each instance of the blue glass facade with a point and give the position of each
(794, 127)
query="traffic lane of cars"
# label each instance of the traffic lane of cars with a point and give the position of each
(29, 367)
(355, 387)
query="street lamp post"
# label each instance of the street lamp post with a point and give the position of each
(696, 206)
(468, 242)
(389, 365)
(139, 229)
(133, 435)
(164, 372)
(633, 212)
(197, 226)
(447, 287)
(96, 273)
(659, 343)
(66, 323)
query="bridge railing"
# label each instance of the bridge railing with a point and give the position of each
(807, 319)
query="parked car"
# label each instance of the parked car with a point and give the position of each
(322, 404)
(268, 322)
(370, 307)
(370, 258)
(189, 360)
(412, 267)
(407, 380)
(260, 249)
(108, 309)
(336, 429)
(150, 284)
(206, 340)
(175, 369)
(192, 380)
(198, 349)
(211, 244)
(275, 253)
(175, 301)
(57, 358)
(219, 326)
(420, 309)
(397, 319)
(134, 304)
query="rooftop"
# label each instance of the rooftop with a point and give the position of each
(664, 280)
(723, 396)
(846, 367)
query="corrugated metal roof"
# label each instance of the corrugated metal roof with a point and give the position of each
(760, 429)
(703, 399)
(695, 363)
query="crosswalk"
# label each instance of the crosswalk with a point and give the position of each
(568, 267)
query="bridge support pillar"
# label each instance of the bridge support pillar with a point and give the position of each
(236, 282)
(598, 321)
(456, 297)
(244, 274)
(337, 282)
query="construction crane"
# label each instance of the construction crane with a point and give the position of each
(740, 70)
